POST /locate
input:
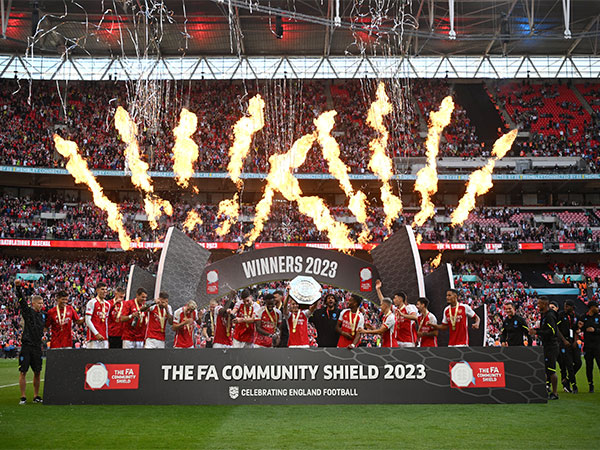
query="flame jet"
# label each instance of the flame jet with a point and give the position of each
(480, 181)
(153, 205)
(281, 179)
(230, 208)
(185, 150)
(381, 164)
(337, 168)
(427, 179)
(78, 168)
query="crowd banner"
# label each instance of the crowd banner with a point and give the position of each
(295, 376)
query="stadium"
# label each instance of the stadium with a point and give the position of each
(218, 173)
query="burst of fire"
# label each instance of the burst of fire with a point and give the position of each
(435, 262)
(243, 131)
(381, 164)
(418, 238)
(280, 178)
(230, 208)
(192, 219)
(153, 205)
(427, 179)
(78, 168)
(480, 181)
(185, 150)
(331, 152)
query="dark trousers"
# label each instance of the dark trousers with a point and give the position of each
(569, 359)
(115, 342)
(590, 355)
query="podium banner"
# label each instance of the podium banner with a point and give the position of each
(295, 376)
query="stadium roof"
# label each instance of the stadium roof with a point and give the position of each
(204, 27)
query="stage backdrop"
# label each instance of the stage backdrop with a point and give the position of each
(284, 263)
(296, 376)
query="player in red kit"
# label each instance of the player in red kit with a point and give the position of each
(223, 327)
(297, 322)
(159, 315)
(268, 324)
(351, 319)
(96, 319)
(405, 314)
(456, 320)
(245, 316)
(184, 322)
(59, 321)
(426, 325)
(134, 318)
(115, 326)
(386, 330)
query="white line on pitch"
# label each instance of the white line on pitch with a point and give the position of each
(16, 384)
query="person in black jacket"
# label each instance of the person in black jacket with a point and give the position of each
(569, 357)
(514, 328)
(548, 335)
(31, 341)
(590, 324)
(325, 320)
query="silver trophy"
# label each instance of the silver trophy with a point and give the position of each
(305, 290)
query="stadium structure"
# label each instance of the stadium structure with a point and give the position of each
(67, 68)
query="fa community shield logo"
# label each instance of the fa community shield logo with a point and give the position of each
(234, 392)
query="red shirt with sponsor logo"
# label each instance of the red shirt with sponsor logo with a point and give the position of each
(97, 311)
(387, 338)
(60, 322)
(115, 326)
(404, 327)
(349, 322)
(425, 325)
(457, 319)
(298, 327)
(184, 336)
(131, 333)
(157, 321)
(269, 321)
(244, 332)
(223, 328)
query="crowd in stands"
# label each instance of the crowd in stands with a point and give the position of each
(30, 114)
(22, 218)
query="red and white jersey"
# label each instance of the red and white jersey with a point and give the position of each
(269, 322)
(131, 333)
(60, 322)
(244, 332)
(223, 327)
(184, 336)
(349, 322)
(298, 327)
(387, 338)
(404, 331)
(115, 326)
(157, 321)
(458, 324)
(425, 325)
(96, 311)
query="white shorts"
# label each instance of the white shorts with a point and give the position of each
(62, 348)
(298, 346)
(459, 345)
(97, 345)
(215, 345)
(406, 344)
(238, 344)
(154, 343)
(133, 344)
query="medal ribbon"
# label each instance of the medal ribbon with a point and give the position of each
(295, 321)
(453, 318)
(61, 320)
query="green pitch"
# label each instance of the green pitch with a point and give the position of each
(570, 422)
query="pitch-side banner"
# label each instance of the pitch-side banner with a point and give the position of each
(295, 376)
